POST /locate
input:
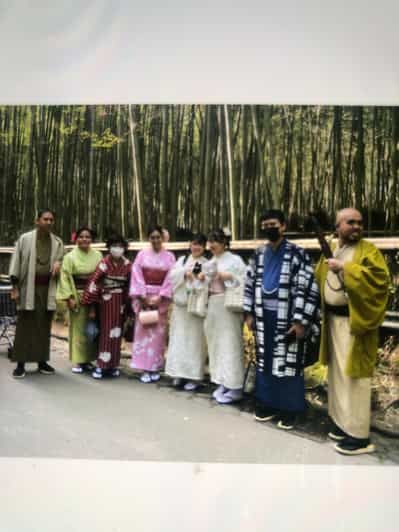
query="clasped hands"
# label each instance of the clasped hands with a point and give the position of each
(72, 303)
(224, 276)
(151, 301)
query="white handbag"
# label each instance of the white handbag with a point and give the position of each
(180, 296)
(234, 298)
(197, 302)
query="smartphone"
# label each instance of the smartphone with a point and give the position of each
(197, 268)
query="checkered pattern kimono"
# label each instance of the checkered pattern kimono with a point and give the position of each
(298, 300)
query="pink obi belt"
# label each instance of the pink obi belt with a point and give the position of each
(154, 277)
(216, 287)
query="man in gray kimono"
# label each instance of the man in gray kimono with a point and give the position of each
(34, 268)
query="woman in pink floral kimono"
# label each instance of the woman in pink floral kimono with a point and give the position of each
(151, 288)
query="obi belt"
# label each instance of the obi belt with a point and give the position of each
(154, 277)
(112, 282)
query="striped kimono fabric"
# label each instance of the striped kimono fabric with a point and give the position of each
(108, 288)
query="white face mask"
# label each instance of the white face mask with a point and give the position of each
(116, 251)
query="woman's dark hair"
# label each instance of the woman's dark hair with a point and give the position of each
(197, 238)
(222, 236)
(92, 232)
(117, 239)
(155, 227)
(40, 213)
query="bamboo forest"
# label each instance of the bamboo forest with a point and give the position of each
(195, 167)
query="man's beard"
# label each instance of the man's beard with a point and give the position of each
(352, 237)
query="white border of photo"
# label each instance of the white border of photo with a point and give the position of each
(260, 52)
(224, 51)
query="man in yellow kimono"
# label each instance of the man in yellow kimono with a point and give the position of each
(354, 292)
(34, 269)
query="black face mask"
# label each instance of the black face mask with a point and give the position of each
(271, 233)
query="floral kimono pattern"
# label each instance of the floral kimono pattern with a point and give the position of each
(151, 277)
(108, 287)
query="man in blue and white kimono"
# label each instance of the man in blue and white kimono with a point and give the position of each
(282, 305)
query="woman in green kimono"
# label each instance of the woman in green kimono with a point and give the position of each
(77, 267)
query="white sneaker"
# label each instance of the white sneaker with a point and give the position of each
(219, 391)
(97, 373)
(231, 396)
(115, 372)
(155, 376)
(77, 369)
(190, 386)
(145, 377)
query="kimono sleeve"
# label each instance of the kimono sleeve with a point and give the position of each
(60, 251)
(307, 300)
(166, 288)
(177, 274)
(240, 269)
(367, 287)
(237, 268)
(249, 290)
(209, 269)
(66, 285)
(93, 289)
(15, 264)
(137, 286)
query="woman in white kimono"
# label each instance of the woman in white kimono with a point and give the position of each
(186, 355)
(223, 327)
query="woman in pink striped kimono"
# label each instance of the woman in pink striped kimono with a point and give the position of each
(151, 288)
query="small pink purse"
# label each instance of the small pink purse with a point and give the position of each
(148, 317)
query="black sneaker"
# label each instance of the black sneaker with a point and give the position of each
(115, 372)
(287, 421)
(19, 372)
(263, 413)
(337, 434)
(353, 446)
(45, 368)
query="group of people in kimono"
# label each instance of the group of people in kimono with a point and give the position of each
(283, 299)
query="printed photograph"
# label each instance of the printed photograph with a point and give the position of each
(200, 283)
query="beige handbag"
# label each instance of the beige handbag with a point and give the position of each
(197, 302)
(234, 298)
(148, 317)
